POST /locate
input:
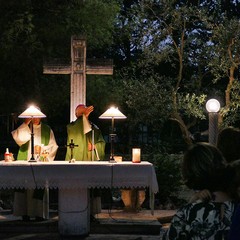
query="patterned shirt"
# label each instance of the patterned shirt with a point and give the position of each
(202, 221)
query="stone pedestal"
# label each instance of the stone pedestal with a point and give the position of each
(74, 212)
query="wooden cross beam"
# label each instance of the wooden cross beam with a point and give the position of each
(78, 68)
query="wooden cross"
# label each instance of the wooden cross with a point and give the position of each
(79, 67)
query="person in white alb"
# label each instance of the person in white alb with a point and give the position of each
(33, 203)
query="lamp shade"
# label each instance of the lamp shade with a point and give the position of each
(112, 112)
(213, 105)
(32, 112)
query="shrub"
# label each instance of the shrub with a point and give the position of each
(167, 168)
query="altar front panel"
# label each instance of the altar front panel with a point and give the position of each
(82, 174)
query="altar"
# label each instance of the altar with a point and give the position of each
(73, 181)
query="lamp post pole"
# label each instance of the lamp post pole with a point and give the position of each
(213, 107)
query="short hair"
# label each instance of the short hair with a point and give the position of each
(204, 167)
(229, 143)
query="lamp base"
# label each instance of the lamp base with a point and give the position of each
(32, 160)
(112, 160)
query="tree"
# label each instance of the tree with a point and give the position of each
(179, 49)
(169, 59)
(225, 65)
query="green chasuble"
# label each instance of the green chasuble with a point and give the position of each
(81, 153)
(45, 137)
(23, 153)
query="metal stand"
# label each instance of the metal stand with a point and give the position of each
(92, 143)
(94, 149)
(112, 136)
(32, 159)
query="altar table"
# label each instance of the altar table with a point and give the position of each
(73, 180)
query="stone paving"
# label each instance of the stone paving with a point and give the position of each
(12, 228)
(54, 236)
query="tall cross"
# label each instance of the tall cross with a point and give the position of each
(79, 67)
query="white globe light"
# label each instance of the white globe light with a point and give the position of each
(213, 105)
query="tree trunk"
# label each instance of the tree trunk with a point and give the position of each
(228, 90)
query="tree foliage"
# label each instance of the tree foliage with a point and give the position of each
(169, 57)
(168, 39)
(33, 31)
(182, 48)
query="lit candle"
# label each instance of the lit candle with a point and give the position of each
(136, 155)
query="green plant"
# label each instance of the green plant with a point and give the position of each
(167, 168)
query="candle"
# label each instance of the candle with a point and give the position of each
(136, 155)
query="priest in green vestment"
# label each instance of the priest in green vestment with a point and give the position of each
(33, 203)
(89, 144)
(86, 143)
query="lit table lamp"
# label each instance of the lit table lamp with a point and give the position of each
(112, 113)
(32, 112)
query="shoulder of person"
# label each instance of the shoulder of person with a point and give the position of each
(45, 125)
(75, 122)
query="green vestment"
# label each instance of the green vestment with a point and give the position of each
(45, 137)
(23, 153)
(80, 153)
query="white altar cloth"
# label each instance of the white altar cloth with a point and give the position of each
(73, 181)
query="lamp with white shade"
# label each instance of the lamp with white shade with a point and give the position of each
(112, 113)
(32, 112)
